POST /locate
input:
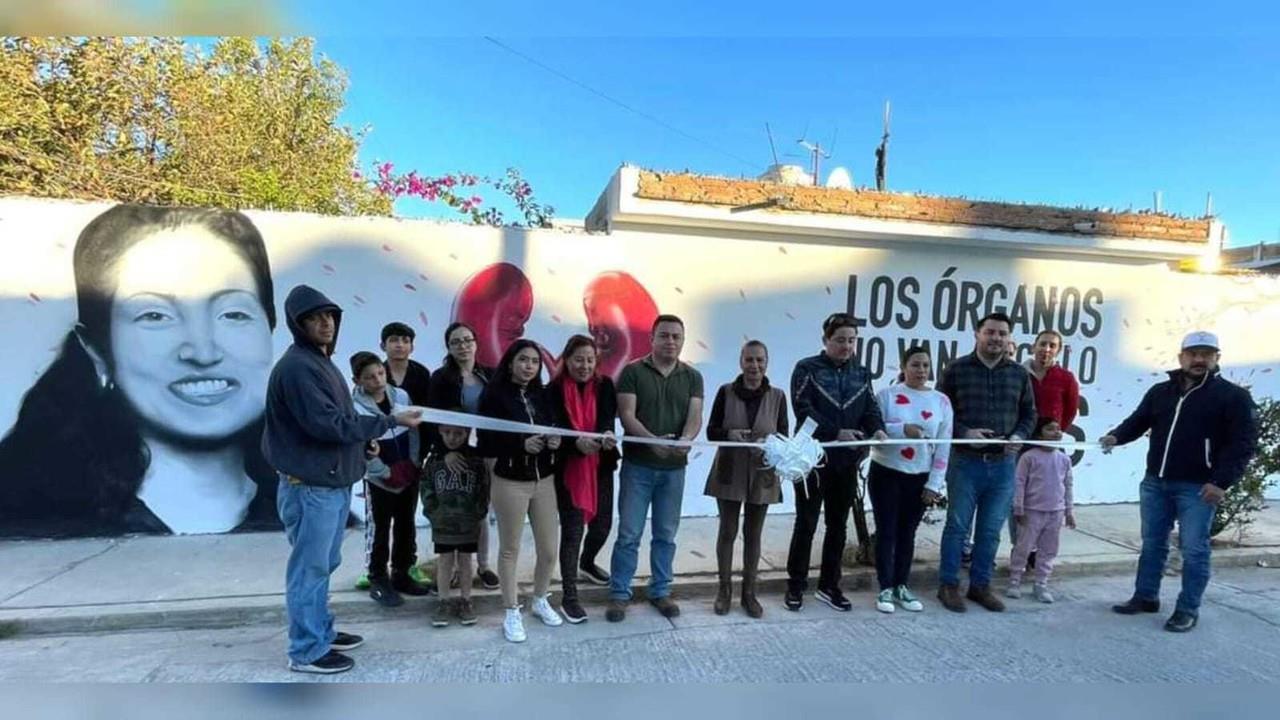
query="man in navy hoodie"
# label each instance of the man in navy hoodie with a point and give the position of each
(1204, 430)
(315, 440)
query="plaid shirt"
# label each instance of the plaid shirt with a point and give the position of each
(999, 399)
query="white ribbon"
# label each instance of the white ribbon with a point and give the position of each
(480, 422)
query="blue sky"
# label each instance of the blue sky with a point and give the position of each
(1086, 112)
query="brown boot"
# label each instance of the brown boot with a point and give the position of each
(723, 597)
(749, 602)
(983, 596)
(949, 595)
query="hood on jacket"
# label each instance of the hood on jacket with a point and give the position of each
(304, 300)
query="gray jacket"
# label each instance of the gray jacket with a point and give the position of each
(313, 432)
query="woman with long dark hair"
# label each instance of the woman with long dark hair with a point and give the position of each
(150, 418)
(521, 469)
(457, 384)
(904, 479)
(583, 400)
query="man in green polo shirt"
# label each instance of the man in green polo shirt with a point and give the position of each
(658, 396)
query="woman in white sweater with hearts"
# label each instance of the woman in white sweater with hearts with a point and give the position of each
(905, 478)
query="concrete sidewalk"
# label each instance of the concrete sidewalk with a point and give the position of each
(207, 581)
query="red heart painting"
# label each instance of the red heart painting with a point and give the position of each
(902, 400)
(620, 314)
(926, 414)
(496, 302)
(908, 452)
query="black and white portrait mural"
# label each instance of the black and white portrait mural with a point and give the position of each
(149, 418)
(138, 340)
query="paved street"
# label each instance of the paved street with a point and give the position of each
(1077, 639)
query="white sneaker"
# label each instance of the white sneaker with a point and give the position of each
(513, 626)
(1014, 590)
(884, 601)
(542, 608)
(1041, 593)
(907, 599)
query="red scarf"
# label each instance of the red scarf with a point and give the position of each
(580, 470)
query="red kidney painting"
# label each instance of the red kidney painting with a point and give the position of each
(496, 302)
(620, 314)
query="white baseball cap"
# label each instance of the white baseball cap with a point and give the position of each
(1200, 338)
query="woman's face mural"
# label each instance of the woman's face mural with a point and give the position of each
(190, 340)
(620, 314)
(497, 302)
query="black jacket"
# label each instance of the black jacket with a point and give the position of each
(445, 393)
(606, 421)
(1207, 434)
(837, 397)
(506, 401)
(313, 431)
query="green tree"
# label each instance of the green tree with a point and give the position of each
(157, 120)
(1248, 496)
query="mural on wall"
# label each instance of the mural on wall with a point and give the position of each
(140, 339)
(498, 300)
(149, 418)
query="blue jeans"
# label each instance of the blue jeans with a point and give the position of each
(639, 487)
(1161, 503)
(314, 520)
(981, 487)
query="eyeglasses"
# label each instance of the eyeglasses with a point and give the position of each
(462, 342)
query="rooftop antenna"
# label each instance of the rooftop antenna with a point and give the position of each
(882, 152)
(816, 154)
(1208, 205)
(772, 149)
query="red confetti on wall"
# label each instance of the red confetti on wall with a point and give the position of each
(328, 269)
(33, 297)
(410, 287)
(423, 317)
(386, 248)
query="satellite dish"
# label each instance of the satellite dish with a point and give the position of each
(840, 178)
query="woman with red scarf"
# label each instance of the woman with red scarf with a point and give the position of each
(585, 401)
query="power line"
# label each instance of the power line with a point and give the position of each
(614, 101)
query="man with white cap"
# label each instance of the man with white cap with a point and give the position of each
(1203, 433)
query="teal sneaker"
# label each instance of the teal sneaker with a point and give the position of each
(884, 601)
(907, 599)
(362, 582)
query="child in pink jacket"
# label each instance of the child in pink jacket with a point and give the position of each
(1041, 504)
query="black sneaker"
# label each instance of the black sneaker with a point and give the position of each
(1181, 621)
(489, 579)
(345, 641)
(386, 596)
(327, 664)
(1135, 605)
(594, 574)
(793, 600)
(835, 599)
(406, 585)
(573, 611)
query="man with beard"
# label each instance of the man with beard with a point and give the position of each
(1203, 432)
